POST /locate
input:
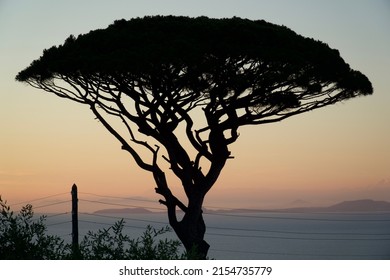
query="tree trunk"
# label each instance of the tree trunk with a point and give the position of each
(191, 230)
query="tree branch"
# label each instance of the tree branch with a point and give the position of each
(125, 145)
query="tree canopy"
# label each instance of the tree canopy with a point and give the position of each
(153, 72)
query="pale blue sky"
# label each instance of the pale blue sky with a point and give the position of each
(335, 153)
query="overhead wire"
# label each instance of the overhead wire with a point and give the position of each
(118, 197)
(124, 218)
(279, 211)
(301, 254)
(296, 232)
(59, 223)
(234, 215)
(56, 215)
(51, 204)
(296, 218)
(119, 204)
(107, 224)
(299, 238)
(37, 199)
(243, 229)
(249, 216)
(243, 215)
(228, 215)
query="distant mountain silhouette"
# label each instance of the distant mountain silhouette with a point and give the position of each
(361, 205)
(300, 203)
(136, 210)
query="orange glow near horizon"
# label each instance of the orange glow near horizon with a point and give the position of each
(273, 165)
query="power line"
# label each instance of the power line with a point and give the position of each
(59, 223)
(119, 204)
(150, 200)
(299, 254)
(281, 211)
(106, 224)
(261, 253)
(225, 214)
(245, 229)
(295, 232)
(56, 215)
(244, 216)
(238, 229)
(250, 252)
(299, 238)
(52, 204)
(295, 218)
(36, 199)
(124, 218)
(117, 197)
(248, 216)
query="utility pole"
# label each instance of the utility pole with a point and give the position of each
(75, 222)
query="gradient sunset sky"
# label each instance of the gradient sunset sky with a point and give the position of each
(341, 152)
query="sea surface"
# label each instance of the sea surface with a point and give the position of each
(257, 236)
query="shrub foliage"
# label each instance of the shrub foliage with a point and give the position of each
(24, 237)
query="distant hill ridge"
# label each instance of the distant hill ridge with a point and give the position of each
(134, 210)
(363, 205)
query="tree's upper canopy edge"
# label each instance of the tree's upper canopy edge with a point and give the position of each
(143, 45)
